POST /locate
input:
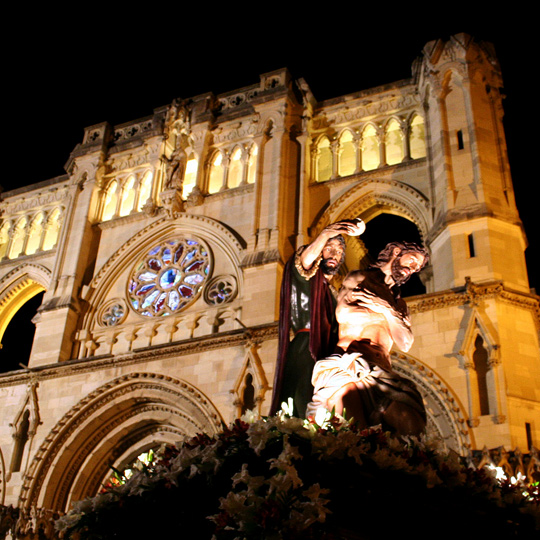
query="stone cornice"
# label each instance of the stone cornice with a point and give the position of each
(366, 108)
(471, 294)
(34, 200)
(233, 338)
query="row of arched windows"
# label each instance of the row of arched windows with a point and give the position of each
(30, 234)
(368, 148)
(225, 169)
(231, 169)
(228, 168)
(126, 195)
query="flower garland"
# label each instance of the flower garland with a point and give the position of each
(282, 477)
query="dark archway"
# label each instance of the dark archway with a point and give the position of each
(387, 228)
(19, 336)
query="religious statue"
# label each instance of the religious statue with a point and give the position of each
(307, 310)
(357, 380)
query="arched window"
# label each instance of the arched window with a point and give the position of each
(347, 154)
(190, 177)
(324, 160)
(236, 169)
(370, 149)
(128, 197)
(4, 239)
(248, 394)
(252, 164)
(145, 190)
(215, 178)
(17, 242)
(34, 234)
(110, 200)
(481, 366)
(393, 143)
(417, 139)
(52, 228)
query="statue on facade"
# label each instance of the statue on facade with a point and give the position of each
(307, 310)
(177, 125)
(358, 380)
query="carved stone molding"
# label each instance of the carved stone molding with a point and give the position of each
(232, 338)
(366, 108)
(445, 415)
(64, 451)
(471, 294)
(35, 201)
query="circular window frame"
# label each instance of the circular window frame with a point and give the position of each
(164, 294)
(107, 308)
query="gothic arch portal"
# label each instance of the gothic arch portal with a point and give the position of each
(19, 286)
(369, 199)
(373, 197)
(445, 419)
(110, 426)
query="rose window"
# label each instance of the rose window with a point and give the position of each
(169, 278)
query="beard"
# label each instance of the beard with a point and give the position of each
(400, 274)
(327, 269)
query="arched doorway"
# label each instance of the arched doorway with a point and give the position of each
(18, 336)
(385, 228)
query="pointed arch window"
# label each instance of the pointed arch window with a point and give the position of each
(393, 143)
(324, 160)
(481, 366)
(145, 190)
(215, 178)
(35, 230)
(371, 158)
(347, 154)
(111, 198)
(4, 239)
(52, 228)
(252, 164)
(417, 139)
(190, 176)
(17, 241)
(128, 196)
(236, 168)
(248, 394)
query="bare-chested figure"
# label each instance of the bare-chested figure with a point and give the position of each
(372, 318)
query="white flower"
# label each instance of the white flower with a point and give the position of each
(233, 503)
(253, 483)
(250, 417)
(287, 408)
(258, 433)
(315, 491)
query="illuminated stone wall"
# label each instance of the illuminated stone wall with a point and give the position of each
(161, 253)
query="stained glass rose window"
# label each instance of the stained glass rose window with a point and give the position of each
(169, 278)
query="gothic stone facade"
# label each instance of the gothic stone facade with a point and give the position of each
(160, 255)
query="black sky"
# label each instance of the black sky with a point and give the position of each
(61, 75)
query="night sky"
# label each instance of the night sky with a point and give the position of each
(117, 67)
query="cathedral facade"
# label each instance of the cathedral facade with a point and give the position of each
(158, 257)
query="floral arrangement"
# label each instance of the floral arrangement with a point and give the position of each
(282, 478)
